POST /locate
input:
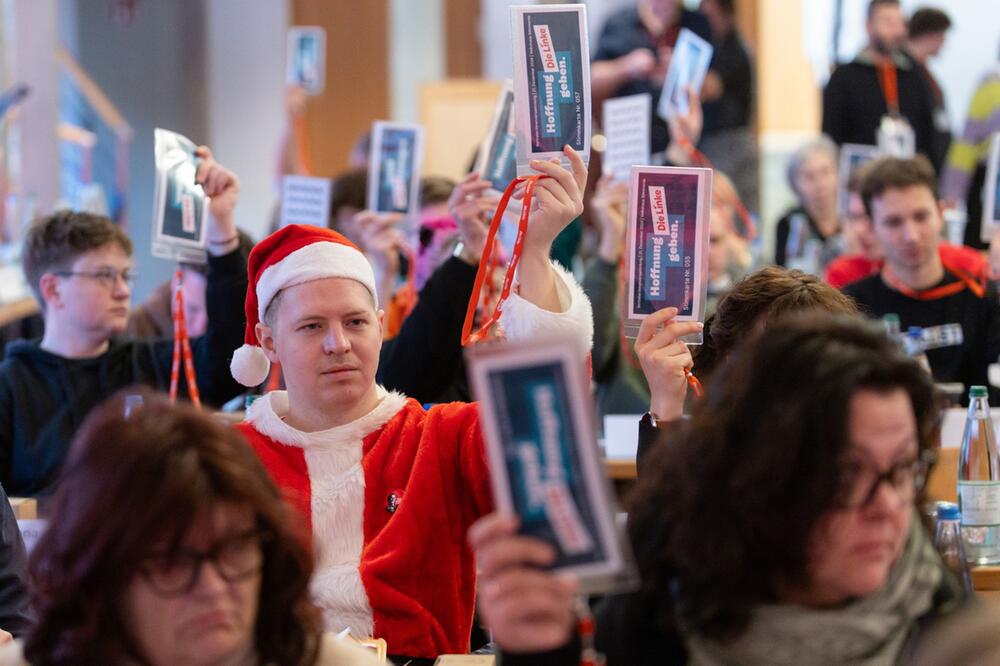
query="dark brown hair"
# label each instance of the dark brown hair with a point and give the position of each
(875, 4)
(435, 190)
(724, 516)
(765, 296)
(349, 189)
(927, 21)
(54, 242)
(895, 173)
(133, 484)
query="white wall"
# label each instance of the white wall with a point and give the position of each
(416, 53)
(245, 54)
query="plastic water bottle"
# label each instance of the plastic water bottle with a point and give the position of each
(979, 482)
(915, 348)
(948, 541)
(891, 322)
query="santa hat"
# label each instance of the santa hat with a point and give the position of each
(292, 255)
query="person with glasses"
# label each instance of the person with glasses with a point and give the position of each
(781, 528)
(80, 268)
(169, 544)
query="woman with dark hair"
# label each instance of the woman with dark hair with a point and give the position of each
(169, 544)
(781, 529)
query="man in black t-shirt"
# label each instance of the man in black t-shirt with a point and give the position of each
(915, 284)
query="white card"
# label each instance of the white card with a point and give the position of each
(688, 66)
(180, 207)
(991, 189)
(305, 60)
(626, 129)
(394, 167)
(305, 200)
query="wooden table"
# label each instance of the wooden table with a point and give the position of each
(15, 310)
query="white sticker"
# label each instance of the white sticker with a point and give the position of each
(980, 502)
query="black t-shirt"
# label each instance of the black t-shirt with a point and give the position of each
(978, 317)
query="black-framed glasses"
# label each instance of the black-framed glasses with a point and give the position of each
(236, 558)
(107, 277)
(859, 483)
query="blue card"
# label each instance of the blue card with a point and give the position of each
(394, 168)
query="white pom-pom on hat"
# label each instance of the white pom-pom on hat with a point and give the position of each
(249, 365)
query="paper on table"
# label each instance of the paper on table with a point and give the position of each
(626, 129)
(305, 200)
(621, 436)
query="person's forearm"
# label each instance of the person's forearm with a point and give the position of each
(538, 282)
(607, 76)
(222, 236)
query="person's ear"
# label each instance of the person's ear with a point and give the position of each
(265, 338)
(380, 315)
(48, 288)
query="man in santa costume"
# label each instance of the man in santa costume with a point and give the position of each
(387, 488)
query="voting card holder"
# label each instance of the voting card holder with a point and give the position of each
(666, 264)
(545, 465)
(551, 82)
(180, 207)
(895, 137)
(394, 168)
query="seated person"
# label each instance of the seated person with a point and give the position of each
(864, 257)
(807, 237)
(781, 529)
(914, 283)
(759, 300)
(386, 488)
(168, 544)
(80, 268)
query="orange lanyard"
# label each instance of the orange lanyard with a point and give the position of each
(964, 282)
(300, 134)
(890, 87)
(488, 260)
(409, 290)
(699, 158)
(182, 347)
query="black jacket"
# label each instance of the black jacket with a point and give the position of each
(14, 611)
(44, 398)
(424, 361)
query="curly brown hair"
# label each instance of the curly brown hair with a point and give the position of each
(766, 296)
(132, 484)
(724, 515)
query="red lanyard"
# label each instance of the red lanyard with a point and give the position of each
(934, 293)
(699, 158)
(182, 347)
(887, 81)
(489, 259)
(409, 291)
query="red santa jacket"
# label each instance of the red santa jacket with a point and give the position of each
(425, 482)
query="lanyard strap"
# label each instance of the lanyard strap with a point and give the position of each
(699, 158)
(887, 81)
(182, 348)
(964, 282)
(488, 260)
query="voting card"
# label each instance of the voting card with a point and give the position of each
(688, 67)
(305, 61)
(497, 162)
(852, 157)
(180, 207)
(626, 129)
(991, 188)
(551, 82)
(394, 167)
(667, 244)
(545, 466)
(305, 200)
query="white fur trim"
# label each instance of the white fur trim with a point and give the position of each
(523, 320)
(314, 262)
(249, 365)
(337, 500)
(265, 414)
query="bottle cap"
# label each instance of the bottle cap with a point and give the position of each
(948, 511)
(978, 392)
(891, 316)
(915, 332)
